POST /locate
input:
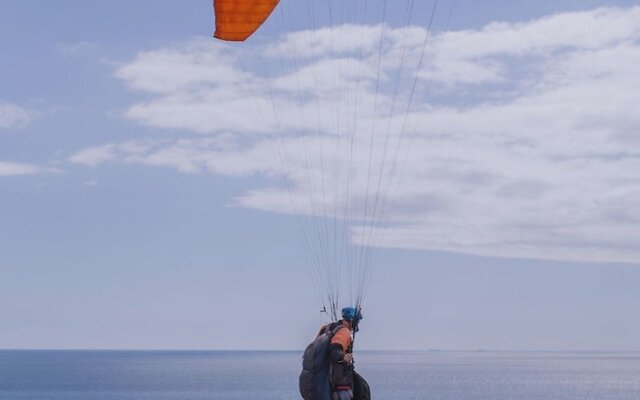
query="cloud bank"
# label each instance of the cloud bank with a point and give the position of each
(519, 140)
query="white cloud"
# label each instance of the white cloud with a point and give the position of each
(525, 144)
(474, 56)
(15, 169)
(11, 115)
(331, 41)
(216, 155)
(76, 48)
(95, 155)
(174, 70)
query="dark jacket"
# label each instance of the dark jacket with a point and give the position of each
(315, 378)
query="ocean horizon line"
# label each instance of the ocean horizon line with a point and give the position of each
(301, 350)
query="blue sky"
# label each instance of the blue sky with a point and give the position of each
(130, 218)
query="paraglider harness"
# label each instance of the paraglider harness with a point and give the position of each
(315, 378)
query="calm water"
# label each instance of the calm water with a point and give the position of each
(98, 375)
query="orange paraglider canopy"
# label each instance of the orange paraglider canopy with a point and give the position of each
(236, 20)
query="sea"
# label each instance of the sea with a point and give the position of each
(231, 375)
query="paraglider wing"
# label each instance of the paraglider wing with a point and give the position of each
(236, 20)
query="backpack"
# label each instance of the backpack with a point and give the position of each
(361, 390)
(315, 380)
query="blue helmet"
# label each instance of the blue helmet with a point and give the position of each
(351, 314)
